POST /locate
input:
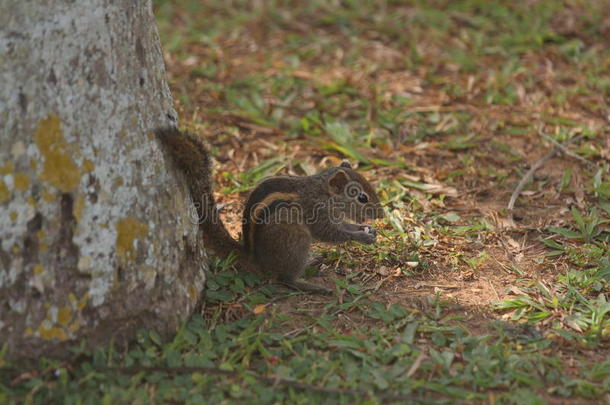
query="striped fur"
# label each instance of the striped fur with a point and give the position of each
(260, 212)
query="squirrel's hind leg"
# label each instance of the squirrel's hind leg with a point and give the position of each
(282, 252)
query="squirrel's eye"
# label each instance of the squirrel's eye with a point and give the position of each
(363, 198)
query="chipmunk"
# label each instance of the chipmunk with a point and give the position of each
(283, 215)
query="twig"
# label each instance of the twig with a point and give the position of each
(33, 374)
(527, 177)
(416, 364)
(275, 381)
(530, 173)
(442, 108)
(494, 288)
(566, 151)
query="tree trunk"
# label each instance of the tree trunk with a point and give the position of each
(95, 236)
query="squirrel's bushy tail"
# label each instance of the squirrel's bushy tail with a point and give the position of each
(192, 158)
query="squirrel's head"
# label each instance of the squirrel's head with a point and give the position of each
(352, 195)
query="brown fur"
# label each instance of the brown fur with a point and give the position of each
(282, 216)
(265, 204)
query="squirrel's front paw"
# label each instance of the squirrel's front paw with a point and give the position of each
(367, 235)
(369, 229)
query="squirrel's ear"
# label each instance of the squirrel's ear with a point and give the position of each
(338, 181)
(345, 163)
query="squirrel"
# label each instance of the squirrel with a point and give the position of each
(282, 216)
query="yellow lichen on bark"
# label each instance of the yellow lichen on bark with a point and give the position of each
(22, 181)
(79, 205)
(192, 291)
(128, 230)
(74, 326)
(88, 166)
(8, 168)
(52, 333)
(38, 269)
(47, 196)
(82, 302)
(59, 169)
(118, 182)
(64, 315)
(5, 194)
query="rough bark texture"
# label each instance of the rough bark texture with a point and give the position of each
(95, 236)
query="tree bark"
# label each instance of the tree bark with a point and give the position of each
(95, 235)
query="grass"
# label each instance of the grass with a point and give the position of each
(271, 353)
(443, 105)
